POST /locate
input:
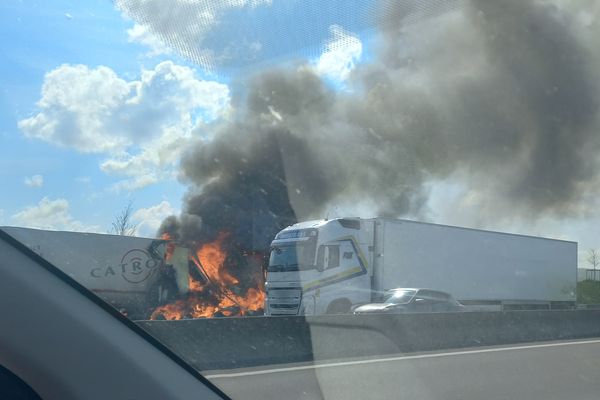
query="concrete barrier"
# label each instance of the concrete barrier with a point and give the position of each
(224, 343)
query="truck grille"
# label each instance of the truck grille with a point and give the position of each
(284, 301)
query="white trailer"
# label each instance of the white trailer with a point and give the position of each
(131, 273)
(328, 266)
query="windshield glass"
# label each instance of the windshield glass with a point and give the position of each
(400, 297)
(165, 154)
(291, 258)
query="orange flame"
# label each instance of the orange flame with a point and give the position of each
(170, 246)
(221, 294)
(212, 259)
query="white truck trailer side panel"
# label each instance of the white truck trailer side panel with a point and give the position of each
(119, 269)
(474, 264)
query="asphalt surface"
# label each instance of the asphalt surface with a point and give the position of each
(544, 371)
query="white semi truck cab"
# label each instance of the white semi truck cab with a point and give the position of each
(328, 266)
(319, 267)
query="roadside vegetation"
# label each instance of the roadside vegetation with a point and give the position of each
(588, 292)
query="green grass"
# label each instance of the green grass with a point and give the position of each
(588, 292)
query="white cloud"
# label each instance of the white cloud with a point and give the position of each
(52, 215)
(35, 181)
(141, 125)
(181, 25)
(140, 34)
(340, 54)
(77, 108)
(135, 183)
(149, 219)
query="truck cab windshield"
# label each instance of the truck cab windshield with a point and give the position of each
(293, 257)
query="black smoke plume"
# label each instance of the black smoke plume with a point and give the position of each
(500, 96)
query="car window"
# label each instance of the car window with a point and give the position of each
(334, 256)
(401, 296)
(428, 294)
(270, 185)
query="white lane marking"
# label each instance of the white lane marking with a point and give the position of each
(399, 358)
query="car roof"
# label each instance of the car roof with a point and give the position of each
(418, 290)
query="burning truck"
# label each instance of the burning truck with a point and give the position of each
(221, 281)
(155, 278)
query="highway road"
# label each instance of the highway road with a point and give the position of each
(544, 371)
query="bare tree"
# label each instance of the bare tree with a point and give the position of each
(122, 225)
(593, 258)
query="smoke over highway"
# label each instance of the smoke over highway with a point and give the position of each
(500, 96)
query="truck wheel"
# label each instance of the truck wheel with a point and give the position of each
(341, 306)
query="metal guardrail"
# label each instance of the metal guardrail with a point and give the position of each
(588, 306)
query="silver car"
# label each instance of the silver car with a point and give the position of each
(410, 300)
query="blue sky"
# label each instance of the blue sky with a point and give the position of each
(38, 37)
(49, 181)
